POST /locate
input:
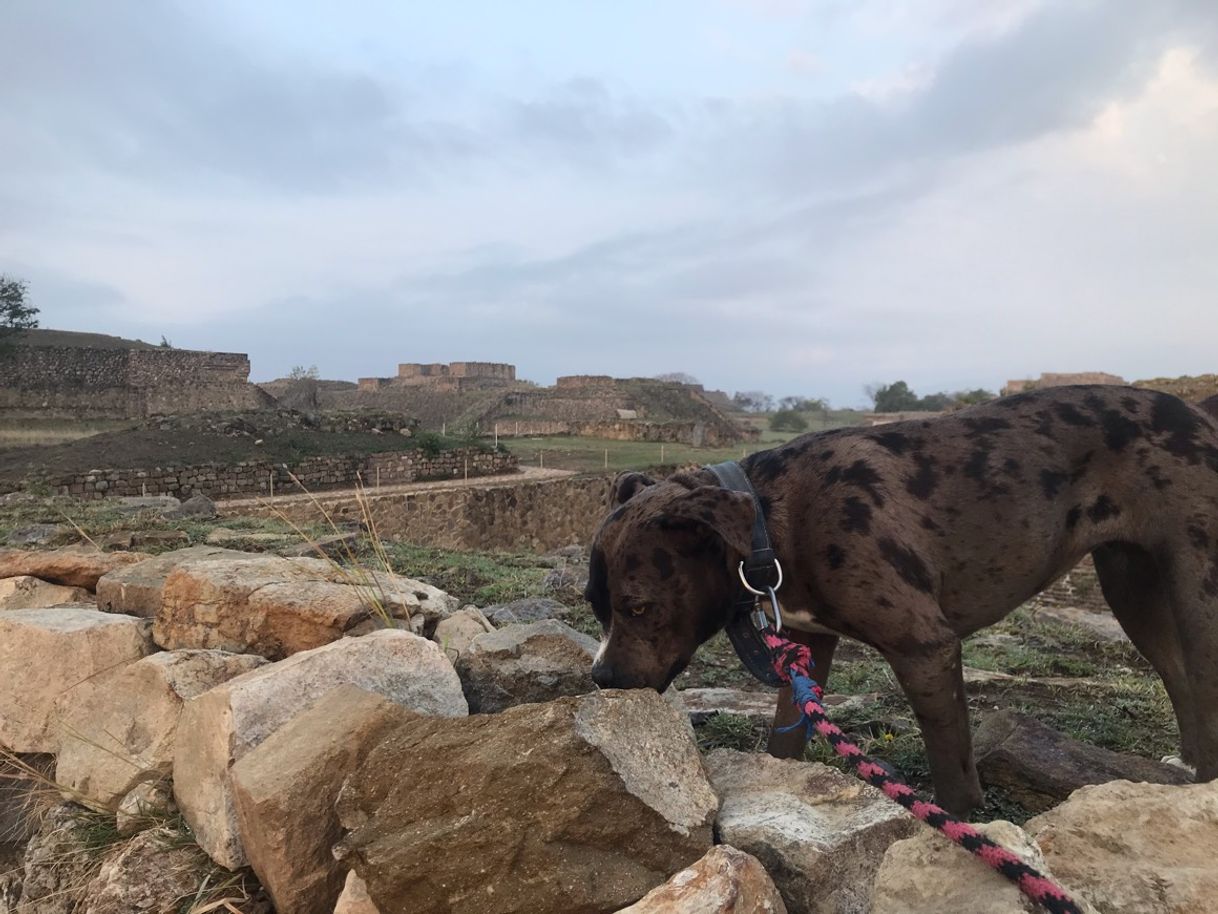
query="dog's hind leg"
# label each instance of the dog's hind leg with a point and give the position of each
(792, 743)
(1194, 591)
(933, 681)
(1140, 595)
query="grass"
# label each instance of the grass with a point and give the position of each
(30, 432)
(589, 455)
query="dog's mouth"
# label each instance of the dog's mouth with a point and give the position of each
(607, 676)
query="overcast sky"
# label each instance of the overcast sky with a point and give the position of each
(797, 196)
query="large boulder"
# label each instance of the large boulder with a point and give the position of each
(455, 633)
(725, 881)
(122, 732)
(222, 725)
(285, 788)
(275, 607)
(580, 805)
(47, 656)
(74, 566)
(25, 592)
(1039, 767)
(1136, 848)
(820, 833)
(927, 874)
(198, 507)
(519, 664)
(136, 590)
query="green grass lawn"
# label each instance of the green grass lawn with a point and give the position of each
(589, 455)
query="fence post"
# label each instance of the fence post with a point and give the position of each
(467, 469)
(496, 435)
(606, 458)
(661, 452)
(541, 459)
(272, 479)
(378, 477)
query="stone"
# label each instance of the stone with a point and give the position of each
(221, 535)
(220, 726)
(1039, 767)
(145, 803)
(1102, 626)
(725, 881)
(46, 655)
(159, 539)
(336, 546)
(705, 703)
(269, 605)
(148, 875)
(579, 805)
(928, 874)
(74, 566)
(820, 833)
(136, 590)
(284, 792)
(526, 663)
(25, 592)
(529, 609)
(198, 507)
(455, 633)
(123, 731)
(1135, 848)
(38, 534)
(355, 898)
(57, 864)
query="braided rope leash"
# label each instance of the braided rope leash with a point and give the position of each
(793, 664)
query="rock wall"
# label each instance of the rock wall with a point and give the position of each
(258, 478)
(1079, 587)
(508, 516)
(697, 434)
(81, 382)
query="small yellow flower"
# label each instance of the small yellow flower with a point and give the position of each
(888, 737)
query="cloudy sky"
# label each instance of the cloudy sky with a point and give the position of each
(798, 196)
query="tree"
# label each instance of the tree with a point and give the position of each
(753, 401)
(970, 397)
(678, 377)
(895, 398)
(788, 420)
(300, 373)
(15, 314)
(804, 404)
(165, 343)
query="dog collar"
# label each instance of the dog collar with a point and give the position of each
(760, 575)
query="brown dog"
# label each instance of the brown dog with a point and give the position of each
(911, 536)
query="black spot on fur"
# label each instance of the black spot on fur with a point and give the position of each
(975, 466)
(893, 441)
(1119, 429)
(929, 524)
(1155, 474)
(861, 474)
(836, 556)
(907, 563)
(633, 562)
(1071, 416)
(883, 602)
(1102, 510)
(1051, 482)
(1131, 405)
(766, 466)
(923, 483)
(1198, 537)
(1073, 516)
(832, 477)
(857, 516)
(662, 562)
(987, 425)
(1011, 467)
(826, 455)
(1173, 417)
(1044, 424)
(1081, 470)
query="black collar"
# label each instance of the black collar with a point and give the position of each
(761, 571)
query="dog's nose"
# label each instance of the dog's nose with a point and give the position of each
(603, 675)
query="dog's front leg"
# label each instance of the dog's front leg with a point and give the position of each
(792, 743)
(933, 681)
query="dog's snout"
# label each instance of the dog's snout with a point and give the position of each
(603, 675)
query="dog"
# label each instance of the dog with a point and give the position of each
(911, 536)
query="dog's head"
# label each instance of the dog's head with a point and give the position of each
(662, 575)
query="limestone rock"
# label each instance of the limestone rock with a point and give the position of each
(136, 589)
(220, 535)
(142, 805)
(928, 874)
(704, 704)
(25, 592)
(74, 566)
(220, 726)
(1039, 767)
(122, 732)
(57, 864)
(1136, 848)
(47, 655)
(455, 633)
(725, 881)
(159, 539)
(39, 534)
(132, 504)
(579, 805)
(149, 875)
(284, 791)
(275, 607)
(526, 663)
(197, 506)
(820, 833)
(1102, 626)
(355, 898)
(523, 611)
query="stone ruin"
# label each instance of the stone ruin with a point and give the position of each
(1052, 379)
(455, 376)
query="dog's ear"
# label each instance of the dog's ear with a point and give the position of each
(626, 486)
(728, 514)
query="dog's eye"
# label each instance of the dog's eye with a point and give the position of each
(638, 610)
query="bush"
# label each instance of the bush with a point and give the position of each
(788, 420)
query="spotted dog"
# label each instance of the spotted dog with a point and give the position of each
(911, 536)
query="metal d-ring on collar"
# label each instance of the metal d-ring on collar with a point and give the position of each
(759, 617)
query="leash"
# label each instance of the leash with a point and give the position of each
(776, 660)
